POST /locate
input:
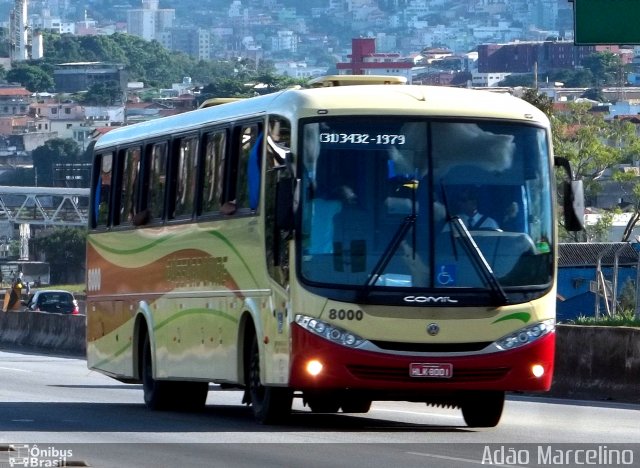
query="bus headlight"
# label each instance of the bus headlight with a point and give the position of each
(526, 335)
(329, 331)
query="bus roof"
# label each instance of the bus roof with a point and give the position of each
(409, 100)
(218, 101)
(352, 80)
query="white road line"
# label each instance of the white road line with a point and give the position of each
(458, 459)
(15, 369)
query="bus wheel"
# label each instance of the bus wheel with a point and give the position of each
(270, 404)
(482, 409)
(322, 403)
(157, 394)
(355, 405)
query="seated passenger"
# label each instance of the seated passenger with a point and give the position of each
(511, 220)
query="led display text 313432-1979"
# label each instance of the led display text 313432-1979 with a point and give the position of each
(363, 139)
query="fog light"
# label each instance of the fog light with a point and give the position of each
(537, 370)
(314, 367)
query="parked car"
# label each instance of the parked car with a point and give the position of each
(55, 301)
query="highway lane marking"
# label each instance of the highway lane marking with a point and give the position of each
(15, 369)
(458, 459)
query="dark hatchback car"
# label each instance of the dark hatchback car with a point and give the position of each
(53, 301)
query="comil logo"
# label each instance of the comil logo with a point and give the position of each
(430, 299)
(94, 278)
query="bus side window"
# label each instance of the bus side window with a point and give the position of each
(185, 171)
(130, 170)
(214, 167)
(157, 181)
(278, 145)
(246, 168)
(102, 192)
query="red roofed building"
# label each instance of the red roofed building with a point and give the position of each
(365, 61)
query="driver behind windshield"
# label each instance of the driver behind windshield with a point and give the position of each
(469, 214)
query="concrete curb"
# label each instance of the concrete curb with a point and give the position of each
(597, 363)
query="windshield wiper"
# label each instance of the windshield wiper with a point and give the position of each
(389, 252)
(481, 263)
(482, 266)
(392, 247)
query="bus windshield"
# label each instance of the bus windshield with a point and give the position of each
(405, 202)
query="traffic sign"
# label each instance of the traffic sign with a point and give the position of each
(606, 22)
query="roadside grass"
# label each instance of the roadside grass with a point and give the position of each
(74, 288)
(623, 319)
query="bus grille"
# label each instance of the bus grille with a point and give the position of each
(432, 347)
(401, 374)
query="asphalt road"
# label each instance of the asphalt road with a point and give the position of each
(54, 409)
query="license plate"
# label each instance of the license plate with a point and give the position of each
(430, 370)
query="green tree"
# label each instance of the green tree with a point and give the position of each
(518, 80)
(54, 151)
(227, 87)
(583, 137)
(103, 94)
(595, 94)
(540, 100)
(605, 67)
(32, 77)
(65, 250)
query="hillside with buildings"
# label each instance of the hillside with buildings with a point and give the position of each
(477, 43)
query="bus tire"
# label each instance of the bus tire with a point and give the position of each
(157, 393)
(482, 409)
(355, 405)
(271, 405)
(327, 403)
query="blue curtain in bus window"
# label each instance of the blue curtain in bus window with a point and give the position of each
(96, 201)
(253, 173)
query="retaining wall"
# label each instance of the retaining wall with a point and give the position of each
(600, 363)
(39, 331)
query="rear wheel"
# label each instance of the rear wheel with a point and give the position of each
(483, 409)
(270, 404)
(157, 394)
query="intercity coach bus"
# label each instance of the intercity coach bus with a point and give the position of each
(313, 243)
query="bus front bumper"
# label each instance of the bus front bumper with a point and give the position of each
(347, 368)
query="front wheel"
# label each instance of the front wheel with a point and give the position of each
(355, 405)
(270, 404)
(170, 395)
(482, 409)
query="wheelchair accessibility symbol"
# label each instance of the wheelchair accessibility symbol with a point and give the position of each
(447, 275)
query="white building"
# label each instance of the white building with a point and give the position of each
(487, 80)
(299, 70)
(149, 21)
(284, 40)
(19, 31)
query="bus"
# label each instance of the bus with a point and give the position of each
(309, 244)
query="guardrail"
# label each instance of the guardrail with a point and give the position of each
(592, 362)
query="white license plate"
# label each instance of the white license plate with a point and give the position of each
(430, 370)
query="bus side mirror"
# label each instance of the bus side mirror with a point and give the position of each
(572, 199)
(284, 204)
(573, 205)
